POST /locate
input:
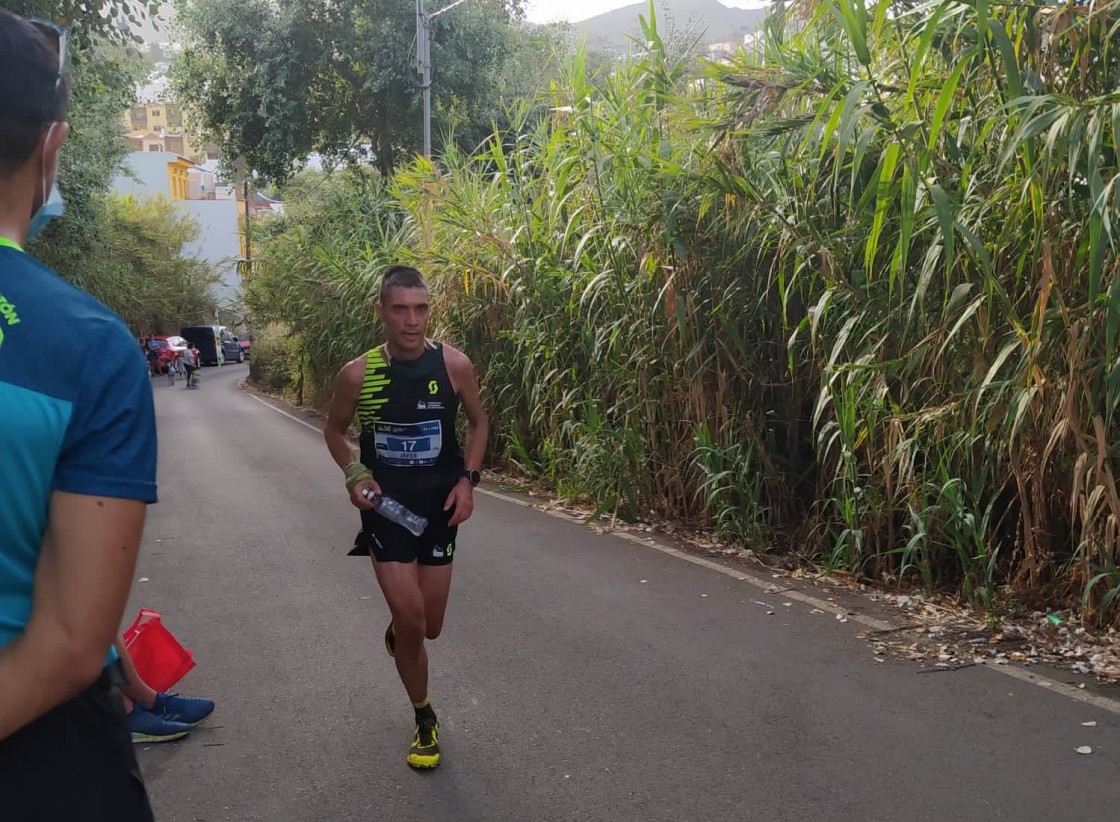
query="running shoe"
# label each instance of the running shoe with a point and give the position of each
(424, 752)
(146, 726)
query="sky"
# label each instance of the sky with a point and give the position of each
(542, 11)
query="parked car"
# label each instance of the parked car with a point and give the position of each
(168, 348)
(246, 342)
(231, 346)
(216, 344)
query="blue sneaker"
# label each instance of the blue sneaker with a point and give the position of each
(187, 709)
(147, 727)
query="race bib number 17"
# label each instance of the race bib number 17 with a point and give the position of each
(409, 445)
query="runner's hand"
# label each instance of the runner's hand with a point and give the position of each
(461, 499)
(359, 501)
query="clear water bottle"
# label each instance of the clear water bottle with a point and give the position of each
(395, 512)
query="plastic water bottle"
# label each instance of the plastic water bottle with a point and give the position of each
(395, 512)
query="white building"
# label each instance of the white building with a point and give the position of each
(194, 192)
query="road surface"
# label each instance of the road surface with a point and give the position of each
(580, 676)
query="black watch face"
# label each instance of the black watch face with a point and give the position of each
(473, 476)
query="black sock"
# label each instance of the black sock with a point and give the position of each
(424, 711)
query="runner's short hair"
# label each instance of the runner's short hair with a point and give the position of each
(401, 276)
(33, 95)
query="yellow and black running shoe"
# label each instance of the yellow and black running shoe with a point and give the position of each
(390, 641)
(424, 752)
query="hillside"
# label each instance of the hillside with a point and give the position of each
(717, 22)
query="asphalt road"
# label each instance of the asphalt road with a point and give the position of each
(580, 677)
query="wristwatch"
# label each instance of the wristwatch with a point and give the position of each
(473, 476)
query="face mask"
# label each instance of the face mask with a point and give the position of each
(52, 205)
(52, 208)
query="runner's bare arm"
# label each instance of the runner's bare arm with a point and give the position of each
(465, 383)
(81, 585)
(344, 404)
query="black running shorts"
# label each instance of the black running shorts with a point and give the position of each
(75, 762)
(389, 542)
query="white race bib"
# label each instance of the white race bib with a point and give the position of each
(412, 445)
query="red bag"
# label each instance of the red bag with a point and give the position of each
(159, 658)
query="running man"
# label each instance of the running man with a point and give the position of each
(407, 394)
(78, 440)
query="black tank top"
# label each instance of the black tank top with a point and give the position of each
(407, 412)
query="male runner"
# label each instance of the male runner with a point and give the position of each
(407, 394)
(77, 467)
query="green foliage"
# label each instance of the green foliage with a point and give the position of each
(102, 83)
(135, 265)
(274, 360)
(318, 267)
(275, 81)
(855, 295)
(731, 489)
(127, 254)
(90, 21)
(150, 282)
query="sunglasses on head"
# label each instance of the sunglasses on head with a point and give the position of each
(56, 36)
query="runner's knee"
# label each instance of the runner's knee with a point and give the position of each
(409, 627)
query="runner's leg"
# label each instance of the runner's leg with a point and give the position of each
(400, 584)
(435, 587)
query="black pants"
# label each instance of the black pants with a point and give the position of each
(74, 764)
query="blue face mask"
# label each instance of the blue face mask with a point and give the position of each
(52, 208)
(52, 203)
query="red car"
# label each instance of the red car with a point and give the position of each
(169, 347)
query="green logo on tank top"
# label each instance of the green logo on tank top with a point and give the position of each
(433, 388)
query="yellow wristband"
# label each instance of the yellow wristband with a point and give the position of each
(355, 473)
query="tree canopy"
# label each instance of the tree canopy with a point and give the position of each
(128, 254)
(275, 80)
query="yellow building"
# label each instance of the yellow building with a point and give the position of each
(155, 117)
(178, 170)
(159, 127)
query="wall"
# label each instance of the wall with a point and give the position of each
(219, 241)
(150, 169)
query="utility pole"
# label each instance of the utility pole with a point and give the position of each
(424, 66)
(249, 246)
(424, 63)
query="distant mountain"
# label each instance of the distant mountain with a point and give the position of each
(715, 21)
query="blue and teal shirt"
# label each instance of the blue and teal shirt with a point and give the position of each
(76, 415)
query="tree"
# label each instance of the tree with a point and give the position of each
(150, 282)
(126, 254)
(275, 80)
(102, 86)
(103, 73)
(88, 21)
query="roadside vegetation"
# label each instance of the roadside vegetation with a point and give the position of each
(853, 297)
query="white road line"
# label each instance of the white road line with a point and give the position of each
(292, 417)
(1102, 702)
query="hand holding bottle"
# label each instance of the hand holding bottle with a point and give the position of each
(395, 512)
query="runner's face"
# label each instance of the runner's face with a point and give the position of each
(405, 316)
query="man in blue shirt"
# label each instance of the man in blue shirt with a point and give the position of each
(77, 469)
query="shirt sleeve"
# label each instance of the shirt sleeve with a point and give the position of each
(110, 445)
